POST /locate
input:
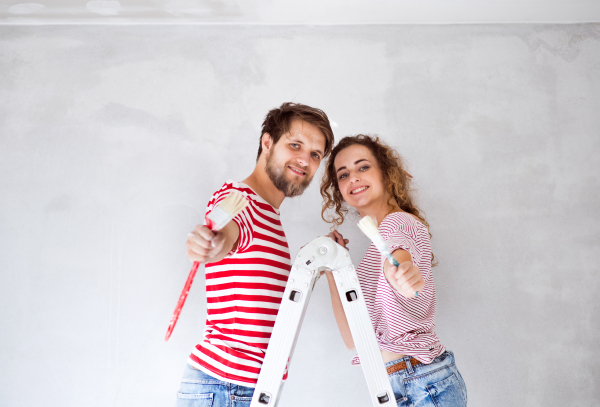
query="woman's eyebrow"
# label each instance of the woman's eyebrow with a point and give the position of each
(356, 162)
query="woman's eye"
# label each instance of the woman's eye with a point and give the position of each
(342, 176)
(364, 168)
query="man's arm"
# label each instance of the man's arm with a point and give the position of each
(206, 246)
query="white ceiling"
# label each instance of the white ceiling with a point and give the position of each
(297, 12)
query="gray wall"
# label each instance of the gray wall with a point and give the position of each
(112, 140)
(294, 11)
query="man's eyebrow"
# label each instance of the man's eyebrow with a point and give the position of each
(356, 162)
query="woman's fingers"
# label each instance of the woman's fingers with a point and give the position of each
(411, 282)
(338, 238)
(406, 279)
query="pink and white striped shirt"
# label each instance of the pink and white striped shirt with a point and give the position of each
(402, 325)
(243, 293)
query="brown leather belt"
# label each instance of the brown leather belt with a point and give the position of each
(402, 365)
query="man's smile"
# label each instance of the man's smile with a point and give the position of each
(296, 170)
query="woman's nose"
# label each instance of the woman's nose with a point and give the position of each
(354, 177)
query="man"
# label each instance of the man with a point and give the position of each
(247, 263)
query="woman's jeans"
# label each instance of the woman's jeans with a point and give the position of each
(438, 384)
(201, 390)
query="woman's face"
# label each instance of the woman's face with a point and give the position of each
(359, 178)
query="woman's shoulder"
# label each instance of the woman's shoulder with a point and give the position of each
(402, 222)
(402, 218)
(404, 231)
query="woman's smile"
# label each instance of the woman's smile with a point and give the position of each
(358, 190)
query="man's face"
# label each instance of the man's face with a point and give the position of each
(294, 160)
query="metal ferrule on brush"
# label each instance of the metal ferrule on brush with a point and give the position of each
(219, 218)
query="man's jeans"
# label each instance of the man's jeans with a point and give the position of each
(201, 390)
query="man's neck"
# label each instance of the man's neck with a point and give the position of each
(260, 182)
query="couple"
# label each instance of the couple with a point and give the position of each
(247, 264)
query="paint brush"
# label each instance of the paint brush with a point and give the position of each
(368, 225)
(220, 216)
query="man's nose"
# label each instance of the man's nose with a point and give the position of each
(304, 159)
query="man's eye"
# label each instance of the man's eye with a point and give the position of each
(317, 156)
(295, 145)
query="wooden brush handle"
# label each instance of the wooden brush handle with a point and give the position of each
(181, 301)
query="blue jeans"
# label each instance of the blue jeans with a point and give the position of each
(438, 384)
(201, 390)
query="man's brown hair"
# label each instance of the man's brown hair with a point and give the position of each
(277, 122)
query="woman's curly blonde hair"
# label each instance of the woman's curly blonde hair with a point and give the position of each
(396, 180)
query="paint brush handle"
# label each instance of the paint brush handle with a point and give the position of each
(186, 288)
(392, 259)
(181, 301)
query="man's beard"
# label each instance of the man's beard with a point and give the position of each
(277, 176)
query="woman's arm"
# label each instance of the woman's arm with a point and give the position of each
(336, 303)
(338, 312)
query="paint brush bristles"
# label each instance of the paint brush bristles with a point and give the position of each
(369, 228)
(368, 225)
(226, 210)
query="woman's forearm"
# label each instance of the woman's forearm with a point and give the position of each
(338, 312)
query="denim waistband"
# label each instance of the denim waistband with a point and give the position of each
(443, 360)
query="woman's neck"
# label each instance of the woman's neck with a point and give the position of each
(378, 210)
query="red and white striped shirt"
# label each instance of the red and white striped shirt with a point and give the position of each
(243, 293)
(402, 325)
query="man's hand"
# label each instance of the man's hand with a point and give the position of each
(406, 279)
(203, 245)
(338, 238)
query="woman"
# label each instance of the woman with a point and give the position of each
(367, 175)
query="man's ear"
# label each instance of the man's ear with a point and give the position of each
(267, 142)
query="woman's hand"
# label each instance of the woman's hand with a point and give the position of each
(406, 279)
(338, 238)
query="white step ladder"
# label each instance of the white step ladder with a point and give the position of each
(321, 254)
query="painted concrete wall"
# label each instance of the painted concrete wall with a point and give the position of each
(293, 11)
(112, 140)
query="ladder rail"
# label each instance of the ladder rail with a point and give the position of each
(355, 308)
(321, 254)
